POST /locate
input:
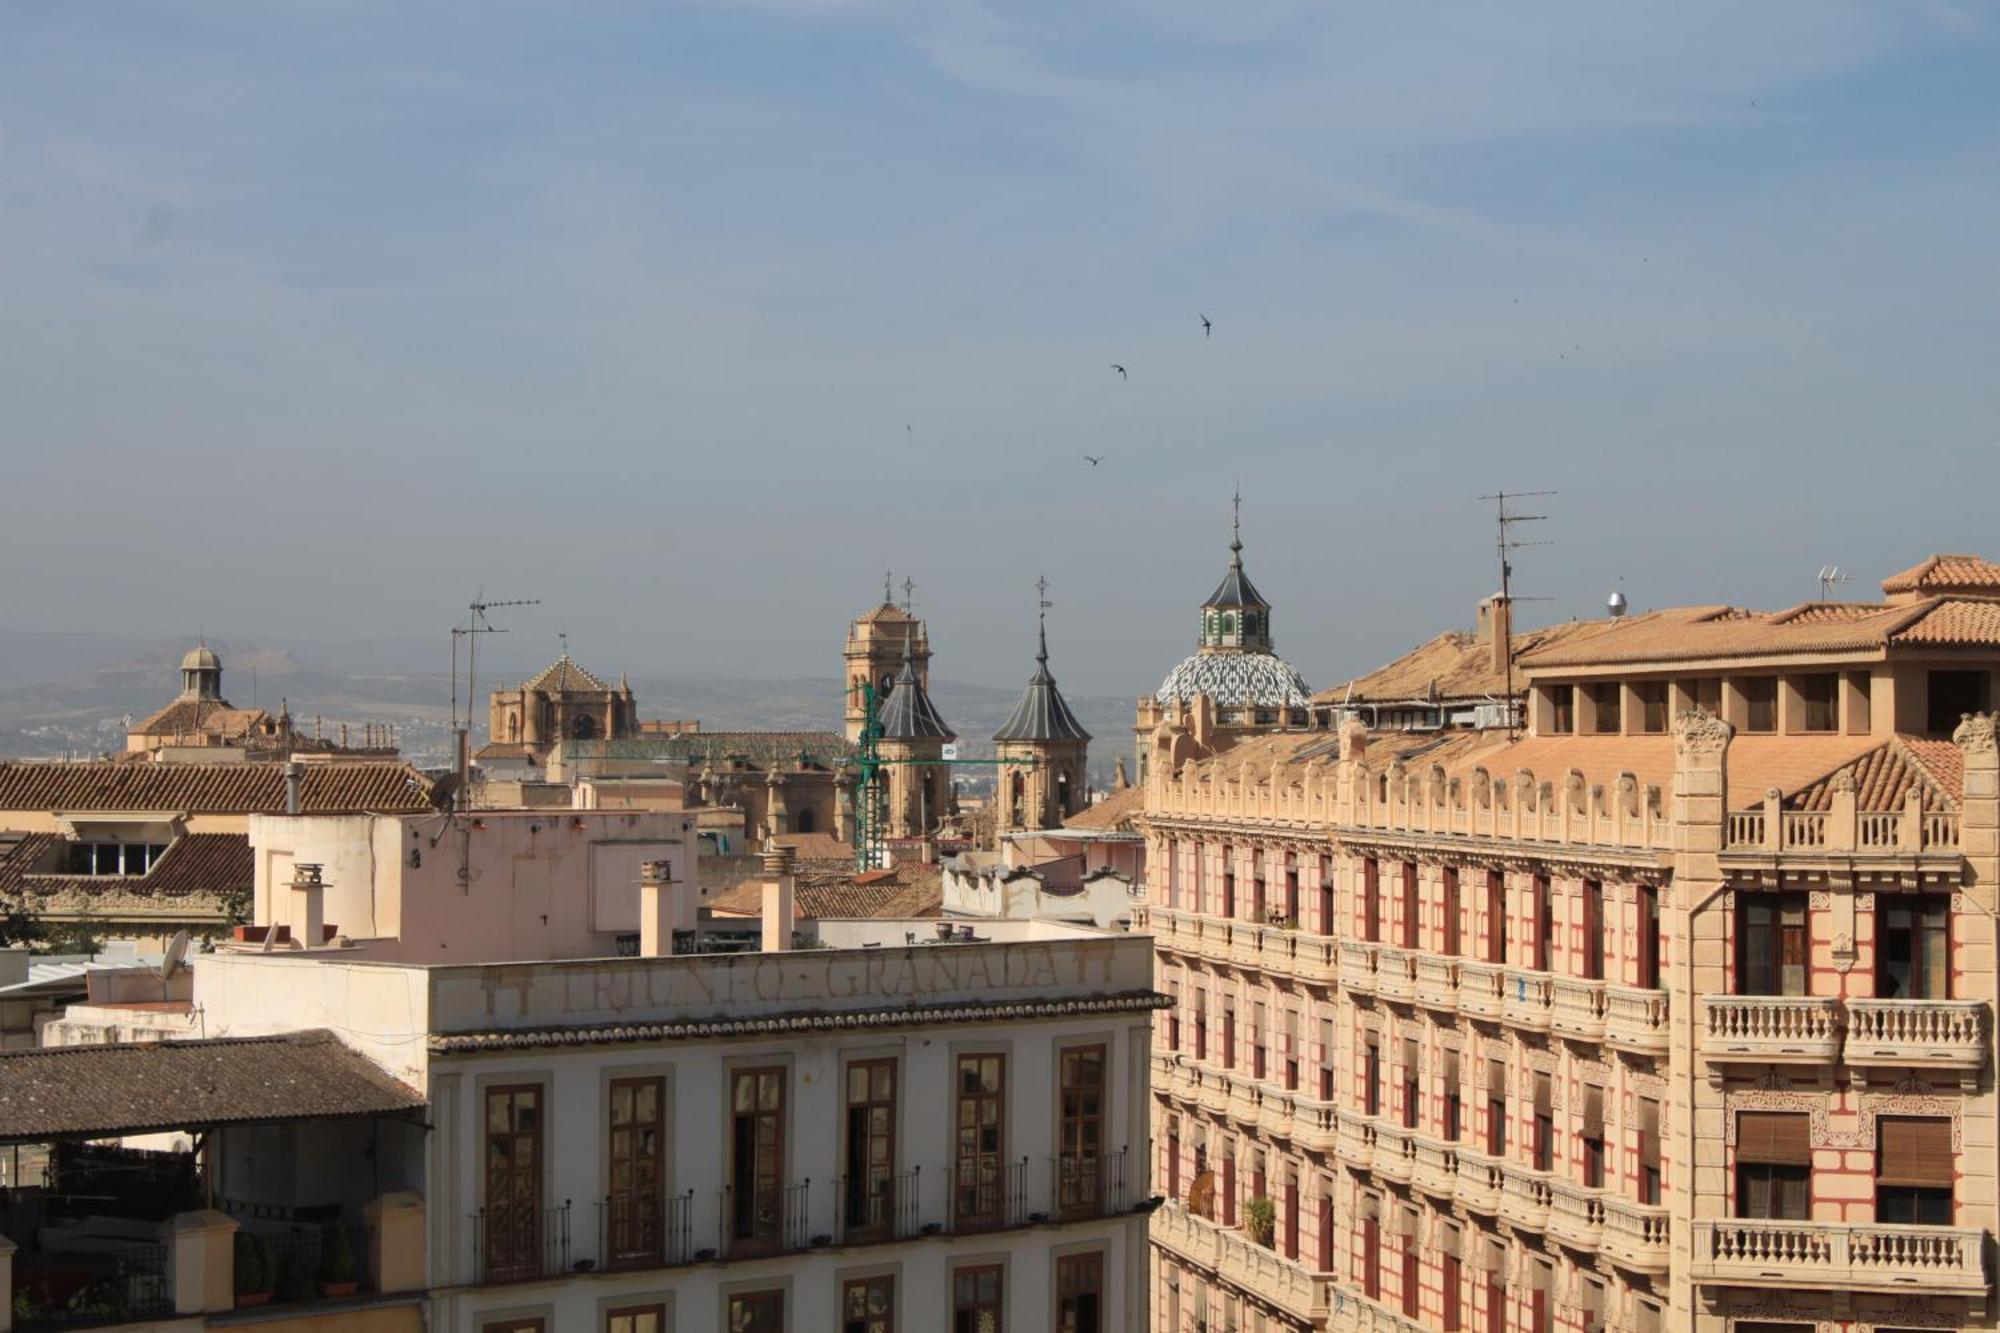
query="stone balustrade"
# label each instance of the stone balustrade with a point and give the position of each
(1480, 1180)
(1576, 1213)
(1356, 1139)
(1525, 1196)
(1635, 1019)
(1237, 1260)
(1481, 988)
(1636, 1234)
(1437, 982)
(1435, 1166)
(1848, 1256)
(1578, 1007)
(1763, 1028)
(1772, 830)
(1395, 973)
(1529, 999)
(1357, 967)
(1275, 950)
(1351, 1312)
(1936, 1034)
(1395, 1153)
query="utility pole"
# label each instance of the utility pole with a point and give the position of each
(1505, 544)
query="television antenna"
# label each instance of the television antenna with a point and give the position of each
(1506, 543)
(476, 625)
(1831, 577)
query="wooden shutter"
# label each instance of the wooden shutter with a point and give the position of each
(1649, 1132)
(1450, 1067)
(1496, 1078)
(1544, 1097)
(1447, 1238)
(1778, 1138)
(1914, 1151)
(1405, 1223)
(1490, 1257)
(1593, 1111)
(1410, 1057)
(1371, 1208)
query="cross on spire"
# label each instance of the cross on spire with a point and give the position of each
(888, 587)
(1042, 605)
(909, 595)
(562, 636)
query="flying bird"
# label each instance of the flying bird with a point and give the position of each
(1205, 326)
(1093, 461)
(1121, 371)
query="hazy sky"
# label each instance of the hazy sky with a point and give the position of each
(690, 319)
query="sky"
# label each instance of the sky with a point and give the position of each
(690, 319)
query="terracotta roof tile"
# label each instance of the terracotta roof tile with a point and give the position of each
(1946, 573)
(199, 717)
(1113, 812)
(1955, 622)
(1883, 776)
(908, 890)
(102, 1091)
(564, 674)
(1691, 633)
(324, 788)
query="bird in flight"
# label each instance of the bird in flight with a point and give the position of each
(1093, 461)
(1205, 326)
(1121, 371)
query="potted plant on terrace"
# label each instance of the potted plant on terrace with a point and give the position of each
(336, 1263)
(1260, 1219)
(253, 1270)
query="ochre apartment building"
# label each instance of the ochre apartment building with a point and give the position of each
(1671, 1008)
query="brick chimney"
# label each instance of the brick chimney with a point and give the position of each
(1496, 630)
(778, 886)
(311, 888)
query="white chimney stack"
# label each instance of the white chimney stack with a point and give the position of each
(306, 882)
(657, 909)
(778, 885)
(294, 771)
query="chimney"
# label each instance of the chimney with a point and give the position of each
(1496, 630)
(778, 920)
(306, 882)
(657, 909)
(293, 772)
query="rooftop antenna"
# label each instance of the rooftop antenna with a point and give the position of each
(475, 626)
(909, 596)
(888, 587)
(1506, 543)
(1831, 577)
(1042, 605)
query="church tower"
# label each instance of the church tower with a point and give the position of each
(1049, 788)
(920, 792)
(201, 674)
(878, 645)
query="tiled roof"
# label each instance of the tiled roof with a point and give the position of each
(910, 714)
(1456, 664)
(888, 614)
(907, 891)
(1946, 573)
(1882, 778)
(762, 749)
(1042, 714)
(324, 788)
(192, 881)
(1113, 813)
(1688, 633)
(199, 717)
(505, 750)
(1955, 622)
(564, 674)
(133, 1088)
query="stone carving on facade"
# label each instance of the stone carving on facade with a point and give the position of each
(1975, 731)
(1699, 733)
(1843, 781)
(1817, 1107)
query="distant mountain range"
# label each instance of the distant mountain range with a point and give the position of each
(88, 685)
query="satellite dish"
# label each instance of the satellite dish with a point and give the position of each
(177, 948)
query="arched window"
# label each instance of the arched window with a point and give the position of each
(803, 822)
(583, 727)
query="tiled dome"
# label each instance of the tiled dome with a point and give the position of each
(1237, 680)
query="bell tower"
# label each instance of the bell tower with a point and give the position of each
(1049, 786)
(878, 645)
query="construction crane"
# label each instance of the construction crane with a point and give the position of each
(871, 793)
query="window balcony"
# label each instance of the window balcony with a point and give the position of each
(1480, 1180)
(1395, 973)
(1357, 967)
(1395, 1154)
(1356, 1140)
(1530, 999)
(1578, 1010)
(1239, 1262)
(1525, 1196)
(1315, 958)
(1437, 982)
(1481, 987)
(1435, 1166)
(1849, 1256)
(1923, 1034)
(1635, 1235)
(1635, 1020)
(1576, 1214)
(1315, 1124)
(1765, 1028)
(1246, 944)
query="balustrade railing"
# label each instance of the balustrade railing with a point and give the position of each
(1948, 1033)
(1578, 1007)
(1758, 1027)
(1635, 1019)
(1481, 988)
(1529, 998)
(1636, 1234)
(1855, 1256)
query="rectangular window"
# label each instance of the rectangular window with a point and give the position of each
(1408, 1226)
(980, 1171)
(636, 1319)
(1544, 1146)
(1371, 900)
(1291, 1217)
(1410, 919)
(1080, 1293)
(1771, 944)
(1454, 1098)
(1451, 912)
(634, 1224)
(1291, 1050)
(868, 1202)
(1258, 1038)
(975, 1299)
(1649, 936)
(1859, 685)
(1952, 695)
(1291, 891)
(868, 1305)
(1371, 1249)
(1412, 1090)
(1913, 960)
(1080, 1165)
(1229, 882)
(1593, 929)
(1605, 701)
(1450, 1278)
(757, 1157)
(1649, 1150)
(1541, 1317)
(1915, 1170)
(1819, 701)
(1651, 696)
(1545, 924)
(1200, 1024)
(1326, 1075)
(512, 1223)
(1228, 1033)
(757, 1312)
(1773, 1165)
(1562, 709)
(1593, 1136)
(1371, 1076)
(1760, 702)
(1496, 1108)
(1706, 692)
(1496, 916)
